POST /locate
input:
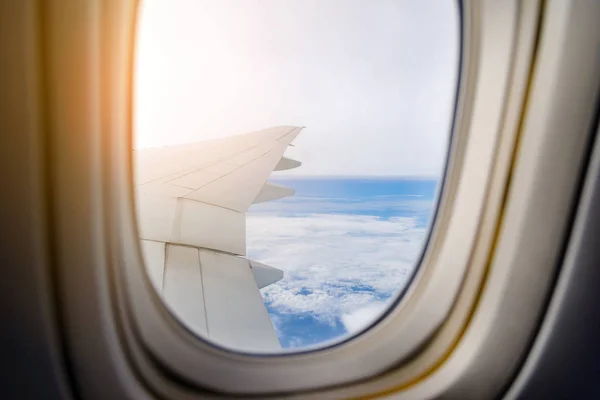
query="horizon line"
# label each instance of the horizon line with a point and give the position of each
(413, 177)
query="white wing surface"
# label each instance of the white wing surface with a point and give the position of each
(191, 202)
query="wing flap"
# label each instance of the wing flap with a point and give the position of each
(235, 311)
(214, 294)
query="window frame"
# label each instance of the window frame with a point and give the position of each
(132, 338)
(437, 280)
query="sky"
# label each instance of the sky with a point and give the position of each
(373, 81)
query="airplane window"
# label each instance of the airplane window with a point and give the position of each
(288, 157)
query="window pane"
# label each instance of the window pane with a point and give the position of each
(248, 247)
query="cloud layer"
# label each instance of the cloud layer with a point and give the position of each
(362, 317)
(340, 270)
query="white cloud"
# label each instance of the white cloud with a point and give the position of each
(357, 320)
(334, 265)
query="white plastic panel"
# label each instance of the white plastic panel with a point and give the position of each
(182, 287)
(154, 259)
(235, 311)
(205, 225)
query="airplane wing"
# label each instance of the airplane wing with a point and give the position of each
(191, 201)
